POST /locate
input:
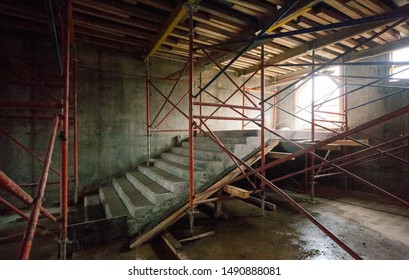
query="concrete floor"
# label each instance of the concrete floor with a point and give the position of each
(372, 226)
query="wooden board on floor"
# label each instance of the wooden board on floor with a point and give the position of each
(242, 193)
(174, 245)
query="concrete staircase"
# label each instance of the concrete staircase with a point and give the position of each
(150, 193)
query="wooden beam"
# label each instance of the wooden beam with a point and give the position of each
(175, 17)
(257, 201)
(198, 236)
(379, 50)
(174, 245)
(277, 155)
(239, 192)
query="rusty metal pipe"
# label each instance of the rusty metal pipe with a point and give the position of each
(75, 134)
(13, 208)
(7, 184)
(191, 124)
(27, 243)
(65, 130)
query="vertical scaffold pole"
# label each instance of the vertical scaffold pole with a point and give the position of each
(313, 125)
(75, 147)
(262, 134)
(191, 135)
(63, 241)
(148, 111)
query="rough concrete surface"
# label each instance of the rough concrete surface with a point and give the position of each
(373, 230)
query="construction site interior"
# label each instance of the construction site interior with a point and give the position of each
(212, 129)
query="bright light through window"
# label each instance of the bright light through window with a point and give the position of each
(401, 55)
(327, 103)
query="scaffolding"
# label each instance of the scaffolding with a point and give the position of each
(61, 106)
(315, 167)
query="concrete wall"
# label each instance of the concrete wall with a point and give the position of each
(390, 174)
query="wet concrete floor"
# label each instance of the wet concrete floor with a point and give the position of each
(371, 226)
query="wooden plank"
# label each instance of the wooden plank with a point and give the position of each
(175, 216)
(198, 236)
(351, 143)
(257, 201)
(237, 191)
(319, 43)
(174, 245)
(277, 155)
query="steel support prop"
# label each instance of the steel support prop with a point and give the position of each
(75, 135)
(191, 133)
(13, 208)
(7, 184)
(312, 125)
(262, 131)
(148, 109)
(27, 243)
(63, 240)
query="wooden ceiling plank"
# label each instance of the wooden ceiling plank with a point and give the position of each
(320, 43)
(163, 5)
(256, 5)
(375, 5)
(231, 15)
(141, 24)
(103, 6)
(111, 27)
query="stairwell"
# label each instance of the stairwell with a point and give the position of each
(149, 194)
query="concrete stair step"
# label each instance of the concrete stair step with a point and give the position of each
(237, 133)
(92, 208)
(184, 160)
(154, 192)
(179, 170)
(199, 154)
(209, 146)
(111, 203)
(137, 205)
(172, 183)
(225, 140)
(211, 167)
